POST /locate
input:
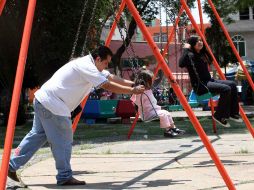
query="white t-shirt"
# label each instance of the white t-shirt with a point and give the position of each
(64, 91)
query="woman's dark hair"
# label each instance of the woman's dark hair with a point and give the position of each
(192, 40)
(145, 77)
(203, 52)
(102, 52)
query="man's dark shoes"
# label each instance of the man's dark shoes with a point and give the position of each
(236, 118)
(72, 181)
(170, 133)
(13, 176)
(222, 121)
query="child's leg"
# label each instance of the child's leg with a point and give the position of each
(165, 119)
(166, 122)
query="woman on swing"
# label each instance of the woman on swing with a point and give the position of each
(196, 59)
(148, 108)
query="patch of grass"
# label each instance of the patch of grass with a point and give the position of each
(86, 146)
(107, 151)
(43, 151)
(242, 151)
(116, 132)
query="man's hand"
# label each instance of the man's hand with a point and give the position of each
(138, 89)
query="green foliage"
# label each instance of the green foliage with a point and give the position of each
(173, 8)
(54, 29)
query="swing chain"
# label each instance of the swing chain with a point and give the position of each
(130, 58)
(89, 27)
(78, 30)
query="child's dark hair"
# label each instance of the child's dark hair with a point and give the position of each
(102, 52)
(145, 77)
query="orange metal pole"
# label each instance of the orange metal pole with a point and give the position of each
(180, 95)
(2, 3)
(231, 44)
(201, 17)
(77, 118)
(16, 93)
(215, 63)
(121, 8)
(133, 126)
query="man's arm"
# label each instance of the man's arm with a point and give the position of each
(120, 81)
(123, 89)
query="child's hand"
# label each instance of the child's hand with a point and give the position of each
(138, 89)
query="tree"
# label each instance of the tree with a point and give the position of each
(147, 10)
(54, 29)
(11, 23)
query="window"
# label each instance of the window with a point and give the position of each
(253, 13)
(239, 43)
(245, 14)
(164, 38)
(156, 37)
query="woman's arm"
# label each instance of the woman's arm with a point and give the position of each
(184, 60)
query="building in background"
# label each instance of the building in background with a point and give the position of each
(242, 32)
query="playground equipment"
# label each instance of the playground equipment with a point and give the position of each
(162, 64)
(2, 3)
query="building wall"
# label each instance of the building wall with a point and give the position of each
(245, 28)
(249, 46)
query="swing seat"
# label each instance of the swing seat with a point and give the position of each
(92, 109)
(125, 109)
(202, 99)
(207, 98)
(108, 108)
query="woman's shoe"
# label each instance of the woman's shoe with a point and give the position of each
(222, 121)
(236, 118)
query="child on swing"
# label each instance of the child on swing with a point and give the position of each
(148, 108)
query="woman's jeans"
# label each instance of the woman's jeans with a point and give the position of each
(57, 131)
(228, 102)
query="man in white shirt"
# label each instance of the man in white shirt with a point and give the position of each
(55, 101)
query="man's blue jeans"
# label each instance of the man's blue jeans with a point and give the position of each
(54, 129)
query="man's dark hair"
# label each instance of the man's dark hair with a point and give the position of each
(102, 52)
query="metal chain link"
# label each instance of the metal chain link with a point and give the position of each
(135, 66)
(130, 58)
(89, 27)
(78, 30)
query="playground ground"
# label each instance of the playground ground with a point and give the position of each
(106, 160)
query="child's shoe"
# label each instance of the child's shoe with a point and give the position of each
(170, 133)
(178, 131)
